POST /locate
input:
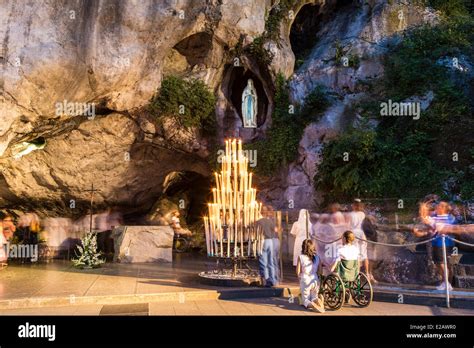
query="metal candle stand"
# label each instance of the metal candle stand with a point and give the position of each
(231, 231)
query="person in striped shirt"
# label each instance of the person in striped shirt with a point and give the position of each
(440, 223)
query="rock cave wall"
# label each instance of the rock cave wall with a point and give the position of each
(115, 54)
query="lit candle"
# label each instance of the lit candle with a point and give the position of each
(214, 195)
(206, 231)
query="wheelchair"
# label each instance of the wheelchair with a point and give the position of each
(345, 283)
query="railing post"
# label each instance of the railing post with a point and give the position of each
(446, 272)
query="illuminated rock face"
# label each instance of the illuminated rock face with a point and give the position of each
(113, 55)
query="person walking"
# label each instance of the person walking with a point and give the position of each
(437, 223)
(266, 259)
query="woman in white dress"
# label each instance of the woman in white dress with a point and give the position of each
(307, 270)
(356, 217)
(298, 230)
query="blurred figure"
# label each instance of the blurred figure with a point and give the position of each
(115, 218)
(8, 227)
(59, 233)
(176, 225)
(298, 230)
(104, 224)
(368, 226)
(335, 211)
(3, 249)
(29, 228)
(357, 217)
(329, 227)
(276, 252)
(436, 217)
(438, 222)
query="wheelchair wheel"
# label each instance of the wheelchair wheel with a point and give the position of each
(361, 290)
(333, 291)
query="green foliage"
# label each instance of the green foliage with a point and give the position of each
(412, 68)
(280, 146)
(315, 104)
(272, 29)
(353, 60)
(403, 157)
(190, 103)
(276, 15)
(359, 163)
(263, 56)
(452, 8)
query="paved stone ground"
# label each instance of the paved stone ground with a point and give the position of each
(265, 306)
(59, 278)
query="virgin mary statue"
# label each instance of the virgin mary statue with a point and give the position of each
(249, 105)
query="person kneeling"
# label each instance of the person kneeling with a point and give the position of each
(307, 270)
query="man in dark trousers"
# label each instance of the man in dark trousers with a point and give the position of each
(266, 260)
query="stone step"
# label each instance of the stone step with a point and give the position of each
(464, 270)
(178, 296)
(465, 282)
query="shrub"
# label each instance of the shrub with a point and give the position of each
(403, 157)
(190, 103)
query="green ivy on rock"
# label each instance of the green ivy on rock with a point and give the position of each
(189, 102)
(403, 157)
(280, 145)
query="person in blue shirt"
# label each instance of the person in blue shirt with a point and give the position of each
(440, 223)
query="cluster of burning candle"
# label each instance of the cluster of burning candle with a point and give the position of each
(230, 227)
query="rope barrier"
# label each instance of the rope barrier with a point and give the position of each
(379, 243)
(458, 241)
(396, 245)
(326, 242)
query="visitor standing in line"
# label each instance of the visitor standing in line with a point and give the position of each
(266, 259)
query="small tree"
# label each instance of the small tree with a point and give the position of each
(88, 256)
